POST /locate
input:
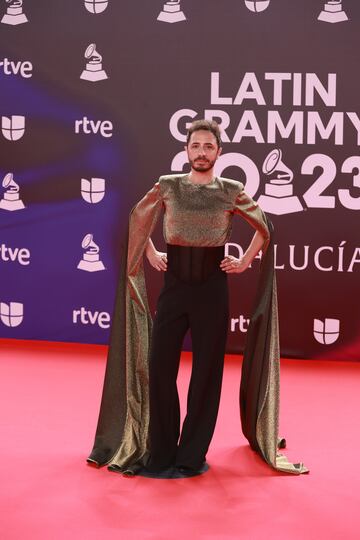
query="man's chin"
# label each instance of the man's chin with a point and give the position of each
(202, 168)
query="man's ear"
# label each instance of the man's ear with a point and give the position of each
(219, 151)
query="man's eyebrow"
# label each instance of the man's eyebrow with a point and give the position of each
(205, 144)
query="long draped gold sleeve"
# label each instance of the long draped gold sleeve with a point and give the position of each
(121, 439)
(260, 379)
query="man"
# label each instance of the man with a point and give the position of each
(201, 305)
(139, 424)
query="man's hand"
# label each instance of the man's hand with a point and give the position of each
(232, 265)
(158, 260)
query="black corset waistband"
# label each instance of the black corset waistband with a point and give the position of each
(194, 264)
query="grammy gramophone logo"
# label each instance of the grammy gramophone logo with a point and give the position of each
(11, 198)
(13, 127)
(96, 6)
(93, 70)
(257, 5)
(333, 12)
(91, 259)
(14, 13)
(11, 314)
(278, 198)
(93, 190)
(171, 12)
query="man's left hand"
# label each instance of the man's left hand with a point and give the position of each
(232, 265)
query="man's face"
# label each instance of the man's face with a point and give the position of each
(202, 150)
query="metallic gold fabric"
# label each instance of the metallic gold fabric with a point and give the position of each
(260, 379)
(132, 452)
(122, 430)
(201, 215)
(267, 426)
(195, 215)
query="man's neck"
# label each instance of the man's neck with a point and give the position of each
(198, 177)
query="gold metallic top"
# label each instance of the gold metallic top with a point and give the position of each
(201, 214)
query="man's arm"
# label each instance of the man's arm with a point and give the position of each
(157, 259)
(247, 208)
(232, 265)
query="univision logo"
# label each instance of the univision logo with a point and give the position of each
(257, 5)
(93, 190)
(13, 127)
(11, 314)
(327, 331)
(96, 6)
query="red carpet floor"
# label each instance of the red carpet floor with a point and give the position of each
(49, 404)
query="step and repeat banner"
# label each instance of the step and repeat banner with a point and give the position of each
(96, 96)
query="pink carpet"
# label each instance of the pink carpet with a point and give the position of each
(50, 397)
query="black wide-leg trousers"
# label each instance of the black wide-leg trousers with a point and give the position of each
(202, 306)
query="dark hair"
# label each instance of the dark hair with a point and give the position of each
(205, 125)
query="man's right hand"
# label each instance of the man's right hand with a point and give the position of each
(158, 260)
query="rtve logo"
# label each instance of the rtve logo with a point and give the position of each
(14, 68)
(14, 13)
(86, 316)
(93, 190)
(326, 332)
(13, 127)
(19, 255)
(241, 324)
(96, 6)
(87, 126)
(11, 314)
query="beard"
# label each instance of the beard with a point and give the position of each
(204, 165)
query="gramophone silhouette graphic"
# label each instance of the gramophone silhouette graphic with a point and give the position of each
(171, 12)
(93, 71)
(91, 259)
(14, 13)
(333, 12)
(278, 198)
(11, 200)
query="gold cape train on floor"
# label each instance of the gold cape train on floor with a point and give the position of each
(122, 438)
